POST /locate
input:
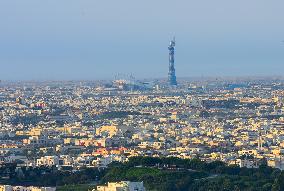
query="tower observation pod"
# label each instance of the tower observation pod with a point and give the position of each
(172, 80)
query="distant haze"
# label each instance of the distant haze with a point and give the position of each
(92, 39)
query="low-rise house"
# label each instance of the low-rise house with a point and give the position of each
(122, 186)
(23, 188)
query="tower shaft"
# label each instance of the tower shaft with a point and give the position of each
(172, 73)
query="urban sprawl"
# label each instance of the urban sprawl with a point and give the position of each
(76, 125)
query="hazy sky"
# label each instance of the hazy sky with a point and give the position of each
(95, 39)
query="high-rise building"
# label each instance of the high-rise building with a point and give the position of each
(172, 72)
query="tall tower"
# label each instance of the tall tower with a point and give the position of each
(172, 80)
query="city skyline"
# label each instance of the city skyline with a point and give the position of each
(87, 40)
(141, 95)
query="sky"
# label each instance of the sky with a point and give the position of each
(97, 39)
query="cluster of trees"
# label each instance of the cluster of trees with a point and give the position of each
(27, 120)
(46, 176)
(158, 174)
(117, 114)
(212, 176)
(229, 104)
(154, 178)
(76, 187)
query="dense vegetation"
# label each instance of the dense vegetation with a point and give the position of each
(46, 176)
(78, 187)
(197, 175)
(158, 174)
